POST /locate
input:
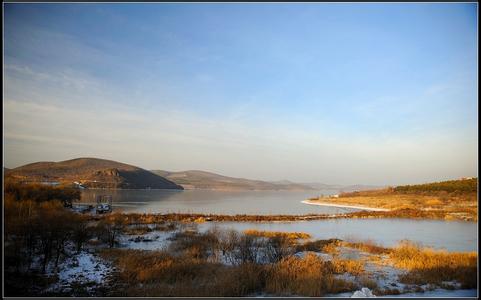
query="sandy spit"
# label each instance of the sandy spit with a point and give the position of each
(343, 205)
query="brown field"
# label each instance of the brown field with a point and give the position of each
(451, 200)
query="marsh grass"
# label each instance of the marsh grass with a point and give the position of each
(307, 276)
(365, 281)
(277, 234)
(326, 246)
(366, 246)
(450, 200)
(387, 291)
(141, 229)
(351, 266)
(160, 273)
(136, 230)
(426, 265)
(195, 244)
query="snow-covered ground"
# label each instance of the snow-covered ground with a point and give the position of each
(83, 269)
(324, 256)
(427, 294)
(90, 272)
(387, 278)
(442, 293)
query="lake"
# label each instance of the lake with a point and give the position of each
(214, 202)
(450, 235)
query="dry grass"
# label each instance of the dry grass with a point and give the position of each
(146, 218)
(366, 246)
(386, 291)
(276, 234)
(444, 203)
(137, 230)
(332, 249)
(354, 267)
(308, 276)
(450, 200)
(463, 211)
(160, 273)
(195, 244)
(433, 266)
(149, 267)
(140, 229)
(327, 246)
(411, 213)
(365, 281)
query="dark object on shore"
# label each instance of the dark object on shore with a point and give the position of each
(104, 204)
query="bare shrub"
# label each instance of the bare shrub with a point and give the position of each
(277, 248)
(196, 245)
(110, 227)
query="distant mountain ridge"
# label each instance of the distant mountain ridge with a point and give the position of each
(91, 172)
(195, 179)
(102, 173)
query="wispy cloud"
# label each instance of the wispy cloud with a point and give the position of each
(332, 95)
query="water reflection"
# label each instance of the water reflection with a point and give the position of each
(215, 202)
(452, 235)
(449, 235)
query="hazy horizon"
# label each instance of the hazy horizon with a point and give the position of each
(376, 94)
(268, 180)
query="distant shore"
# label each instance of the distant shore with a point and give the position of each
(310, 202)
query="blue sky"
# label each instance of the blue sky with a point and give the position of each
(338, 93)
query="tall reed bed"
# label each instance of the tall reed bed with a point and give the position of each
(426, 265)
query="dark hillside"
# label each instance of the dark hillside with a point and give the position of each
(91, 172)
(451, 186)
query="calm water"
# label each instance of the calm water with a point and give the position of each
(216, 202)
(453, 236)
(449, 235)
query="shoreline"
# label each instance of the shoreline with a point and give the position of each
(310, 202)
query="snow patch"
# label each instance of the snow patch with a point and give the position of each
(441, 293)
(83, 268)
(363, 293)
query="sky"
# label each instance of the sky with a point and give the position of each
(343, 93)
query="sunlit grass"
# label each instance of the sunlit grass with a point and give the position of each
(307, 276)
(272, 234)
(426, 265)
(366, 246)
